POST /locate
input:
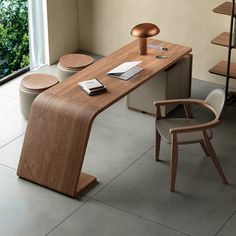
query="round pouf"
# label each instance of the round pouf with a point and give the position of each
(31, 86)
(70, 64)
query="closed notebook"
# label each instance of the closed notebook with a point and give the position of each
(92, 87)
(91, 84)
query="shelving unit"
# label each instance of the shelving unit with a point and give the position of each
(222, 39)
(225, 39)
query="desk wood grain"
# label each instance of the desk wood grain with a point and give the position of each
(61, 118)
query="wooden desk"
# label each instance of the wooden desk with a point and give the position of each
(60, 119)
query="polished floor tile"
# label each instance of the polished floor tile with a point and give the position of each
(95, 218)
(28, 209)
(10, 154)
(200, 205)
(110, 152)
(11, 88)
(119, 117)
(12, 123)
(200, 88)
(229, 228)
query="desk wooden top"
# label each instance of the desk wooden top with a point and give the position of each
(61, 118)
(118, 88)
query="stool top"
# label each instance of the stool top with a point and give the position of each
(38, 82)
(75, 61)
(68, 69)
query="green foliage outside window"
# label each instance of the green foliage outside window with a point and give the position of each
(14, 38)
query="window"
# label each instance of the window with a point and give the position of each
(14, 37)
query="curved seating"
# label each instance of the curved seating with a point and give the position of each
(31, 86)
(176, 131)
(70, 64)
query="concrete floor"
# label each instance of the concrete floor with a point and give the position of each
(132, 196)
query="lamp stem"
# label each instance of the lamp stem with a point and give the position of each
(143, 46)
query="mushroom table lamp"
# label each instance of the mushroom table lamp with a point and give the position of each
(143, 31)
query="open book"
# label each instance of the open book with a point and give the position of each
(126, 70)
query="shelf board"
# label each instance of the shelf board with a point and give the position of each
(221, 69)
(225, 8)
(222, 39)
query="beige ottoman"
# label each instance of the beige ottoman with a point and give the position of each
(31, 86)
(72, 63)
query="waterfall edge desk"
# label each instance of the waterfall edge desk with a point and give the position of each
(61, 118)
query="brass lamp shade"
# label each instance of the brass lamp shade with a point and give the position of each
(143, 31)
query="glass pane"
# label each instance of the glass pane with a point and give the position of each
(14, 37)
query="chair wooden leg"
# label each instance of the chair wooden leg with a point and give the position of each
(174, 161)
(214, 157)
(204, 148)
(157, 148)
(188, 111)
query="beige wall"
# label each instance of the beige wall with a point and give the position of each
(63, 31)
(104, 26)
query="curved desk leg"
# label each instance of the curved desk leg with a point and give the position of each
(55, 143)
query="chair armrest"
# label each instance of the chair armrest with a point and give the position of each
(193, 128)
(186, 101)
(179, 101)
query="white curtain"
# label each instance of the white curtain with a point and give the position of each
(37, 33)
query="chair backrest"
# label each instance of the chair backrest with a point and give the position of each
(216, 99)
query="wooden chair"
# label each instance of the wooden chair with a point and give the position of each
(187, 130)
